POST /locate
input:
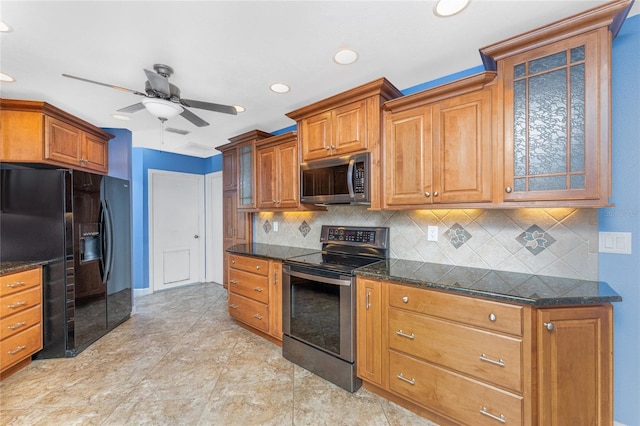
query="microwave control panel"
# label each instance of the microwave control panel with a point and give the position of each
(359, 177)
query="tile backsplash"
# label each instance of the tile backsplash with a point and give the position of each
(557, 242)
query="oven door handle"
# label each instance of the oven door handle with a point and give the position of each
(343, 281)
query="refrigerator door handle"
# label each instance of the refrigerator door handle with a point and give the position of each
(107, 242)
(103, 242)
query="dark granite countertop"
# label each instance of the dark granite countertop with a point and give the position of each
(18, 266)
(268, 251)
(512, 287)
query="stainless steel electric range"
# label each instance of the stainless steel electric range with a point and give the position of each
(318, 305)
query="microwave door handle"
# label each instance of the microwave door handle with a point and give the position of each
(352, 194)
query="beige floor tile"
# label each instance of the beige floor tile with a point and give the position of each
(181, 360)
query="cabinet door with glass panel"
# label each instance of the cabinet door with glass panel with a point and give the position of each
(556, 125)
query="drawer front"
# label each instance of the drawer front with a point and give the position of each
(249, 312)
(249, 264)
(469, 310)
(19, 346)
(253, 286)
(13, 283)
(18, 302)
(482, 354)
(465, 400)
(19, 322)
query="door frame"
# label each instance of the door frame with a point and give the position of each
(214, 251)
(151, 173)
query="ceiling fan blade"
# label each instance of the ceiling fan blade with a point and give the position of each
(209, 106)
(193, 118)
(86, 80)
(132, 108)
(158, 82)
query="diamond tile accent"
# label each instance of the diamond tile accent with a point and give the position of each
(304, 228)
(535, 239)
(458, 235)
(267, 227)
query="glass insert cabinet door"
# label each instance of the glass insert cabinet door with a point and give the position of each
(552, 142)
(246, 182)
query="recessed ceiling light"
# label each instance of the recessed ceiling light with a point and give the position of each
(345, 56)
(239, 108)
(121, 117)
(445, 8)
(279, 88)
(6, 78)
(4, 28)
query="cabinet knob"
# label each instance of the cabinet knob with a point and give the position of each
(508, 190)
(435, 194)
(549, 326)
(233, 261)
(427, 194)
(405, 299)
(327, 148)
(492, 317)
(258, 267)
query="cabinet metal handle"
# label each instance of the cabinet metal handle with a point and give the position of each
(16, 305)
(427, 194)
(258, 316)
(408, 336)
(274, 201)
(16, 350)
(549, 326)
(410, 381)
(492, 317)
(233, 282)
(499, 418)
(233, 261)
(508, 190)
(367, 304)
(16, 325)
(435, 194)
(258, 289)
(499, 362)
(16, 284)
(258, 267)
(232, 306)
(275, 277)
(405, 299)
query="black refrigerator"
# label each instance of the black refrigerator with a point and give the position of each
(80, 224)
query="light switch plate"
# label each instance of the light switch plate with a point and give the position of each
(275, 226)
(615, 242)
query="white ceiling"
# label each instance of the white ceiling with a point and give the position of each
(229, 52)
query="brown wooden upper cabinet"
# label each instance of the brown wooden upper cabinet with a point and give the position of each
(438, 145)
(277, 166)
(556, 87)
(37, 132)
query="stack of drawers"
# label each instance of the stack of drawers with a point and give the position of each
(458, 356)
(20, 319)
(249, 291)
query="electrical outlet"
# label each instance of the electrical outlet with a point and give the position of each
(275, 226)
(432, 233)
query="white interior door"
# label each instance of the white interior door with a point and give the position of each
(214, 245)
(176, 234)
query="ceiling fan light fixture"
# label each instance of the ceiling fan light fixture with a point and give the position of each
(446, 8)
(162, 108)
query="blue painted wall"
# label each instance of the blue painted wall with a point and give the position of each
(623, 271)
(144, 159)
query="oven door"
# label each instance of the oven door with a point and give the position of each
(318, 310)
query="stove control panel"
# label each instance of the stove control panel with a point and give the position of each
(354, 236)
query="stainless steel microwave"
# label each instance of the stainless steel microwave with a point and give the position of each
(340, 180)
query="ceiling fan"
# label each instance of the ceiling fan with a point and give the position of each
(162, 99)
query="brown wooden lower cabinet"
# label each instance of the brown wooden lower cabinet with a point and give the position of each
(464, 360)
(255, 293)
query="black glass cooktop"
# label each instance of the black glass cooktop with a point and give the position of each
(333, 261)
